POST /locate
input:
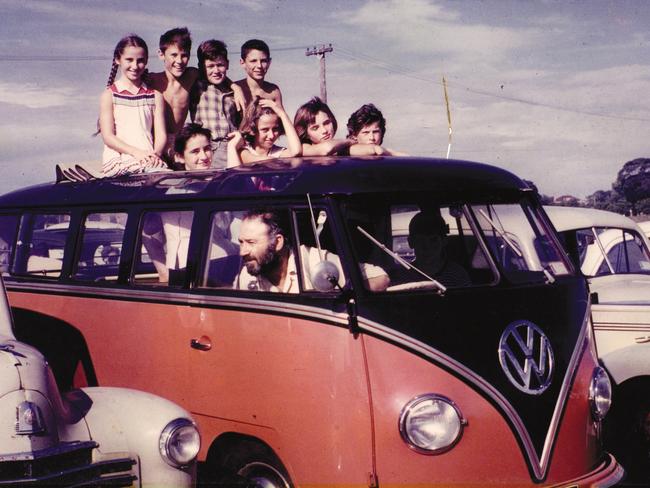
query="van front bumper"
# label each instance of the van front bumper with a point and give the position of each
(608, 473)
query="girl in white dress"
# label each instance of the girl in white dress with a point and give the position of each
(131, 119)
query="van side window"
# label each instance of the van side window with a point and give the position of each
(8, 227)
(42, 246)
(164, 242)
(223, 263)
(101, 246)
(309, 241)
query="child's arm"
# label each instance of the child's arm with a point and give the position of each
(326, 148)
(239, 98)
(295, 146)
(159, 130)
(373, 150)
(276, 95)
(107, 129)
(235, 143)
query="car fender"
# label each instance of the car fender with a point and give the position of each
(126, 420)
(628, 362)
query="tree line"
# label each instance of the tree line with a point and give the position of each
(630, 193)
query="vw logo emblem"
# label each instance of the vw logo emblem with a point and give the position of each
(526, 357)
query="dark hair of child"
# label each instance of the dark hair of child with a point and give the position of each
(210, 50)
(179, 36)
(366, 115)
(306, 115)
(254, 44)
(186, 133)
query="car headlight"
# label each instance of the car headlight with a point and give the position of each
(431, 424)
(600, 393)
(179, 442)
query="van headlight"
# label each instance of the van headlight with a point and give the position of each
(600, 393)
(179, 442)
(431, 424)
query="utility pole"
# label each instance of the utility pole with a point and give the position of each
(320, 52)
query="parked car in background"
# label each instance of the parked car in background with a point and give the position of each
(86, 437)
(613, 252)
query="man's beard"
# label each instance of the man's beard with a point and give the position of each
(266, 263)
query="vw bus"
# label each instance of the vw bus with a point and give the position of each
(367, 369)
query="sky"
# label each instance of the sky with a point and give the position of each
(557, 92)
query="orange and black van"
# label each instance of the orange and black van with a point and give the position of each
(485, 374)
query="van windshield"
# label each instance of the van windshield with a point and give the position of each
(438, 246)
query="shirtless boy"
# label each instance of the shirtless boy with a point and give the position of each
(256, 61)
(175, 82)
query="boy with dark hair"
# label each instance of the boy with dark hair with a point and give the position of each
(367, 125)
(212, 100)
(175, 82)
(256, 60)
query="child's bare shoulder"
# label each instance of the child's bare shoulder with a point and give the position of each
(270, 88)
(157, 81)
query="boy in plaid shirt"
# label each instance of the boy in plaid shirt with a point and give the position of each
(212, 100)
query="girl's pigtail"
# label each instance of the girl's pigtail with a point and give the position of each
(146, 77)
(111, 79)
(112, 74)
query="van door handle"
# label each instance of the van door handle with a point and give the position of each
(202, 344)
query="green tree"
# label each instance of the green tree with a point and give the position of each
(633, 181)
(609, 200)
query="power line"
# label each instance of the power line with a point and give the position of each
(410, 74)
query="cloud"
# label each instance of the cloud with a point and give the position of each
(425, 26)
(95, 13)
(33, 95)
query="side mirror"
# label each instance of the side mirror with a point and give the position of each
(324, 276)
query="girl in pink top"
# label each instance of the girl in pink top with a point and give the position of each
(131, 119)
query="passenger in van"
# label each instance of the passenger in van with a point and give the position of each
(367, 125)
(214, 98)
(256, 61)
(316, 127)
(427, 237)
(193, 148)
(264, 121)
(174, 82)
(269, 259)
(131, 117)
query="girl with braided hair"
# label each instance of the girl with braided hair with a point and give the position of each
(131, 118)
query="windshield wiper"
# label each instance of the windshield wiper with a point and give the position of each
(439, 286)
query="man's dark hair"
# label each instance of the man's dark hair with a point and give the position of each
(179, 36)
(277, 222)
(366, 115)
(428, 222)
(254, 44)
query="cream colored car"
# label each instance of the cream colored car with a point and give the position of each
(88, 437)
(613, 253)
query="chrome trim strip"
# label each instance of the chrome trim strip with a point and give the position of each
(539, 465)
(262, 305)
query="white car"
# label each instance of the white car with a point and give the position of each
(88, 437)
(614, 254)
